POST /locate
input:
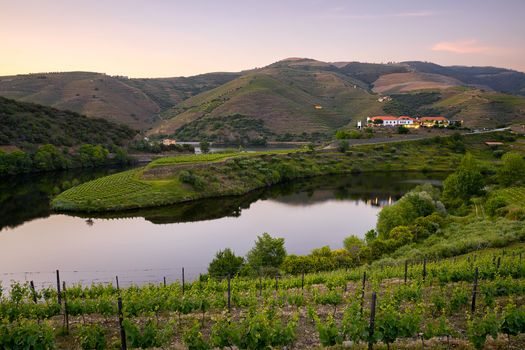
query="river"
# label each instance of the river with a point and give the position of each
(145, 246)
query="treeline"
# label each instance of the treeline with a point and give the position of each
(159, 147)
(26, 124)
(419, 217)
(48, 157)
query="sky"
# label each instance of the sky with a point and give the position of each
(165, 38)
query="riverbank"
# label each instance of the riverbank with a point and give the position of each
(186, 178)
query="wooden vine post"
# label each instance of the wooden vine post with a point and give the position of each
(59, 294)
(372, 321)
(123, 344)
(474, 291)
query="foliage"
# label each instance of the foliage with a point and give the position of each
(417, 203)
(194, 339)
(463, 184)
(267, 254)
(403, 130)
(479, 328)
(26, 124)
(150, 335)
(26, 334)
(343, 146)
(225, 263)
(92, 337)
(204, 146)
(512, 170)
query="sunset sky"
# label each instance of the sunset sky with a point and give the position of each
(161, 38)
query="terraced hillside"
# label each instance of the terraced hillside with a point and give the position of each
(481, 109)
(183, 179)
(134, 102)
(292, 97)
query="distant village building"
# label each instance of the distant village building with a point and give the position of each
(494, 143)
(359, 125)
(169, 142)
(384, 99)
(318, 107)
(431, 121)
(409, 122)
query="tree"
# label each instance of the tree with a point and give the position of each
(48, 157)
(204, 146)
(402, 130)
(354, 245)
(512, 171)
(267, 254)
(343, 146)
(225, 263)
(416, 203)
(465, 183)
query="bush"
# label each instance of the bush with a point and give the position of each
(402, 130)
(493, 204)
(26, 334)
(225, 263)
(343, 146)
(188, 177)
(402, 235)
(416, 203)
(267, 254)
(465, 183)
(92, 337)
(512, 170)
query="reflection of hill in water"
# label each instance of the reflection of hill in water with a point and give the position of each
(374, 189)
(26, 197)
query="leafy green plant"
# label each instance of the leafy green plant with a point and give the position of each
(194, 339)
(92, 337)
(328, 330)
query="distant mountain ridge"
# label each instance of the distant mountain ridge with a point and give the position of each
(292, 99)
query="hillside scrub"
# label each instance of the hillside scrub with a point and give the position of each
(48, 158)
(215, 175)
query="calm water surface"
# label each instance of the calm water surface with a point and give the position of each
(144, 246)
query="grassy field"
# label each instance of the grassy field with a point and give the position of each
(180, 179)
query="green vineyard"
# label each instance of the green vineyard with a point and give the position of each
(471, 301)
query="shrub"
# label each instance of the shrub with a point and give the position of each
(493, 204)
(512, 170)
(267, 254)
(225, 263)
(92, 337)
(465, 183)
(343, 146)
(190, 178)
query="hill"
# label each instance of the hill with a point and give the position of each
(288, 100)
(134, 102)
(293, 99)
(26, 124)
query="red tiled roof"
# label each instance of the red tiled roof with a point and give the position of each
(439, 118)
(384, 117)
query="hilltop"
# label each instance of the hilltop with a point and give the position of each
(295, 99)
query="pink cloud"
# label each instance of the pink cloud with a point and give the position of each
(464, 47)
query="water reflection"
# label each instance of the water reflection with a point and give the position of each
(375, 189)
(26, 197)
(145, 245)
